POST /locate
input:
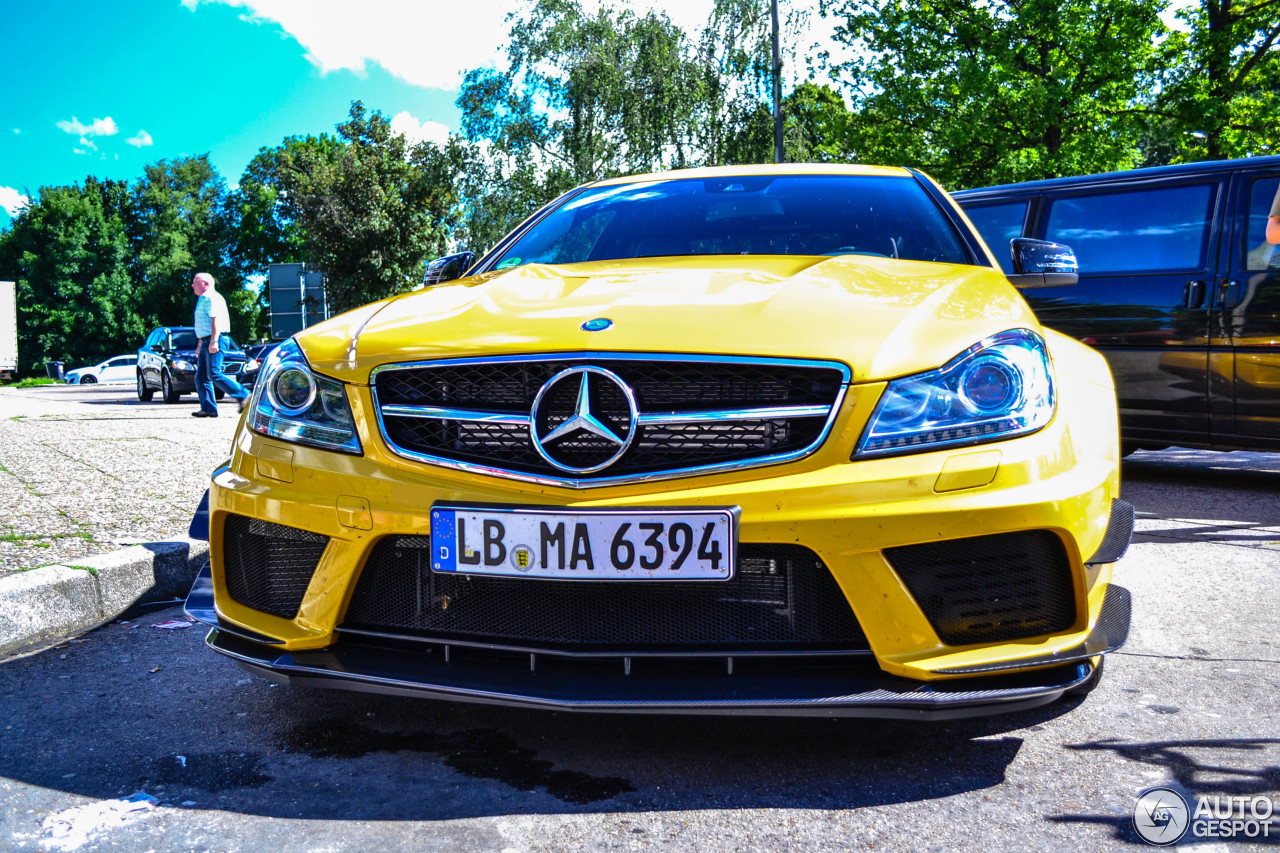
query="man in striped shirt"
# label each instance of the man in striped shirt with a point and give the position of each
(211, 322)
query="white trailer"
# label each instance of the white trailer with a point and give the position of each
(8, 331)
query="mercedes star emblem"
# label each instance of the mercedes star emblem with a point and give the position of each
(583, 419)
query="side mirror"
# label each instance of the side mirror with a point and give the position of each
(448, 268)
(1040, 263)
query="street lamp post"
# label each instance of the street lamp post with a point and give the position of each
(777, 85)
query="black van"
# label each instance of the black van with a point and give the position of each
(1178, 288)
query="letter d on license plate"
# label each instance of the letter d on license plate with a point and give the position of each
(630, 544)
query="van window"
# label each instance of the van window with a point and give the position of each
(998, 224)
(1144, 231)
(1259, 254)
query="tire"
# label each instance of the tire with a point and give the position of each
(218, 393)
(166, 389)
(144, 393)
(88, 380)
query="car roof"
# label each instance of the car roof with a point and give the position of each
(1188, 169)
(759, 169)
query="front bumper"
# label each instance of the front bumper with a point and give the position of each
(1059, 486)
(843, 686)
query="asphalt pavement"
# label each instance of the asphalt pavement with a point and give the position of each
(96, 492)
(136, 737)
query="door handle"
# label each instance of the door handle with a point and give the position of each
(1228, 294)
(1193, 294)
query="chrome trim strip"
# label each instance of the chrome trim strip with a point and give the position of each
(762, 414)
(575, 483)
(443, 414)
(737, 653)
(655, 419)
(845, 372)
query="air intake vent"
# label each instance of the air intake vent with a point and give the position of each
(268, 566)
(781, 598)
(990, 588)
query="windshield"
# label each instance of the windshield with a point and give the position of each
(890, 217)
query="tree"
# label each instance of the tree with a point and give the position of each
(184, 224)
(69, 254)
(990, 91)
(364, 207)
(1220, 87)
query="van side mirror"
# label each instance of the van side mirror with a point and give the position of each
(448, 268)
(1040, 263)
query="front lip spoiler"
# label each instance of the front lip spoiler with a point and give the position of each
(853, 690)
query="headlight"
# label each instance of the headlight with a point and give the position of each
(185, 366)
(252, 364)
(292, 403)
(997, 389)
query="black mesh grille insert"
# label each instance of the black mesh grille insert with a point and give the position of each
(660, 387)
(990, 588)
(268, 566)
(781, 598)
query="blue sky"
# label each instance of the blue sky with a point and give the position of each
(102, 89)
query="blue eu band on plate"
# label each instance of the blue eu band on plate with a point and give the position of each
(599, 545)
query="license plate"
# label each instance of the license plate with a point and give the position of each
(648, 544)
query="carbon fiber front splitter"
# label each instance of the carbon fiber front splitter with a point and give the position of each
(849, 688)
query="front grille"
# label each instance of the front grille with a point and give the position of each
(480, 414)
(268, 566)
(230, 366)
(781, 598)
(986, 589)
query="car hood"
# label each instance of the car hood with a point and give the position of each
(882, 317)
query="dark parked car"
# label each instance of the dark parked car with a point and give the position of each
(255, 356)
(1178, 288)
(167, 362)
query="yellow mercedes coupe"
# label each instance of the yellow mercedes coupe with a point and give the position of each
(757, 440)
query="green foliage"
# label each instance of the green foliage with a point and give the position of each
(1220, 83)
(68, 253)
(364, 207)
(991, 91)
(185, 225)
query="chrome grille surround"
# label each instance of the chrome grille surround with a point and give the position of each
(512, 418)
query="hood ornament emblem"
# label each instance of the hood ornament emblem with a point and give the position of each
(592, 433)
(599, 324)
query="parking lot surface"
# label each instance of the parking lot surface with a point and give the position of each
(86, 469)
(219, 760)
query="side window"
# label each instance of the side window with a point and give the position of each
(1258, 253)
(998, 224)
(1158, 230)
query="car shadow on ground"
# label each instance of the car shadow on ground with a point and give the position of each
(1191, 771)
(208, 734)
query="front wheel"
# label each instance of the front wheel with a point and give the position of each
(167, 390)
(144, 393)
(88, 380)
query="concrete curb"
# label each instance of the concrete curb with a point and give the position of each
(52, 602)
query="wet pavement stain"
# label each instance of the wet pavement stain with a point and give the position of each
(480, 754)
(213, 772)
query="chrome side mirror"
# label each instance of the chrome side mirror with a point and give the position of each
(1040, 263)
(448, 268)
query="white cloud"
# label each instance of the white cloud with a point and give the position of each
(12, 201)
(428, 47)
(100, 127)
(16, 130)
(416, 131)
(417, 42)
(141, 139)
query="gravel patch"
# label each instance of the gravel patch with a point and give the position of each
(87, 470)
